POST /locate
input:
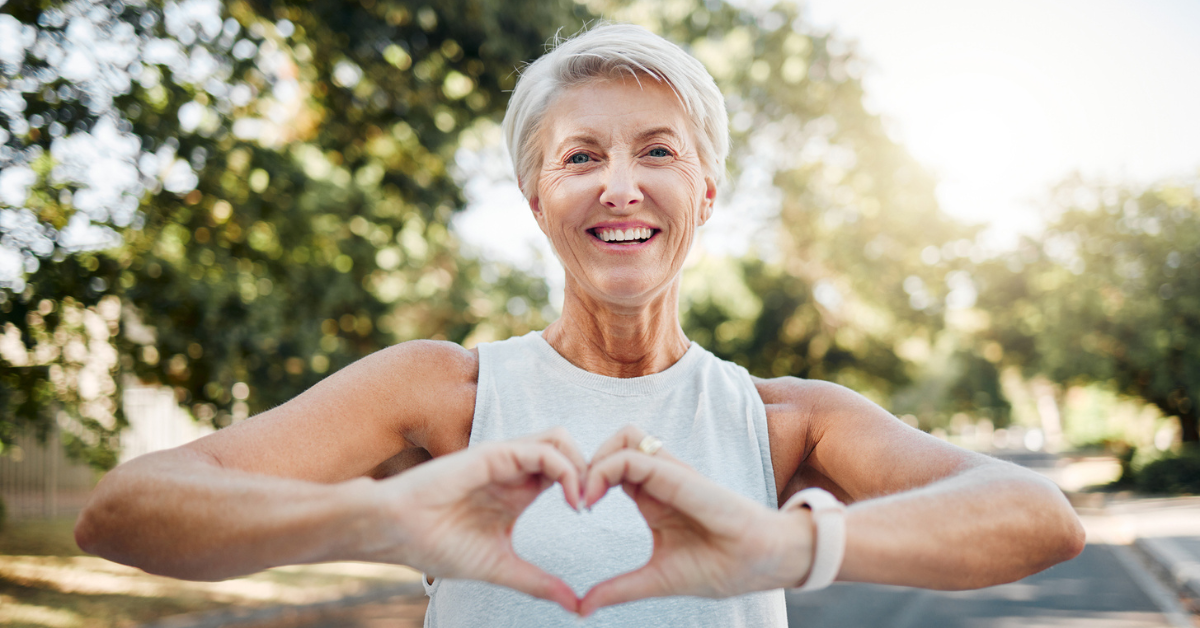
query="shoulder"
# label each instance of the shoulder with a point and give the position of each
(435, 360)
(802, 397)
(437, 380)
(815, 405)
(800, 413)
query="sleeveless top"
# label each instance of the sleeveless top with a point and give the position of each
(707, 413)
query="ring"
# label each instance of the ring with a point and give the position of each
(650, 445)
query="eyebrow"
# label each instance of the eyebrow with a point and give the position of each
(579, 138)
(660, 130)
(589, 139)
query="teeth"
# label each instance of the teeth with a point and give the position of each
(617, 235)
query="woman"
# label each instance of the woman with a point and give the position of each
(619, 140)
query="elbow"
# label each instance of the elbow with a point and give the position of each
(1073, 537)
(1067, 534)
(85, 534)
(85, 538)
(89, 527)
(1062, 534)
(91, 537)
(1047, 532)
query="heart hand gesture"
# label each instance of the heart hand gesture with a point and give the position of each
(708, 540)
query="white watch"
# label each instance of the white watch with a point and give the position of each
(829, 520)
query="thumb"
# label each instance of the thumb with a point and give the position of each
(628, 587)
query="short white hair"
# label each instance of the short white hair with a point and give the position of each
(608, 51)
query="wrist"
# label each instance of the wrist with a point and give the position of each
(365, 532)
(799, 532)
(828, 538)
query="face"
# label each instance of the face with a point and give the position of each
(622, 188)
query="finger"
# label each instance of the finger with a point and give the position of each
(561, 439)
(515, 461)
(528, 578)
(627, 437)
(626, 466)
(673, 484)
(639, 584)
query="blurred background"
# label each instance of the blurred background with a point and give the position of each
(984, 216)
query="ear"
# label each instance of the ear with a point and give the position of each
(535, 206)
(710, 197)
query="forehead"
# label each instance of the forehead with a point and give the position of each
(618, 110)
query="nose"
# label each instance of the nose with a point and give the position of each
(622, 191)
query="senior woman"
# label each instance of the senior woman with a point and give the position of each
(619, 140)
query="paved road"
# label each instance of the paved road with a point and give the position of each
(1096, 590)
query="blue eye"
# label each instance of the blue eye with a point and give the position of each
(579, 158)
(659, 152)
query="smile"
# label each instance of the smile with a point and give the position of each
(633, 235)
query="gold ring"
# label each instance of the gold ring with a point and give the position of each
(650, 445)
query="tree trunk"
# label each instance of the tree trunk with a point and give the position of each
(1188, 425)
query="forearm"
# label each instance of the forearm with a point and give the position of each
(988, 525)
(179, 514)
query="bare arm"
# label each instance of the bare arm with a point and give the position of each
(923, 512)
(288, 485)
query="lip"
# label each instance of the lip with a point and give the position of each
(622, 225)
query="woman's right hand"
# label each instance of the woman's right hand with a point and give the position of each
(453, 517)
(709, 541)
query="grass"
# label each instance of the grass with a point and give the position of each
(39, 538)
(46, 581)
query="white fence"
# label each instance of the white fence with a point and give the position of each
(38, 480)
(156, 422)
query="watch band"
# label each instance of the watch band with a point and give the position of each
(829, 521)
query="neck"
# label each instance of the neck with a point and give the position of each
(619, 341)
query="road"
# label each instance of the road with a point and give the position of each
(1098, 589)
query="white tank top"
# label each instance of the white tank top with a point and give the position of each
(707, 413)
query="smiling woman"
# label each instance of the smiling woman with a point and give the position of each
(619, 140)
(622, 190)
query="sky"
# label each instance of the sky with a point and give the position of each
(1002, 99)
(999, 99)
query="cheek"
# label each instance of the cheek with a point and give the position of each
(557, 186)
(682, 189)
(559, 197)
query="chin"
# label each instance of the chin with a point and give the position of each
(624, 289)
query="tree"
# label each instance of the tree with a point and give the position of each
(285, 202)
(1109, 293)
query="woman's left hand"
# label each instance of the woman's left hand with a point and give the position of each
(708, 540)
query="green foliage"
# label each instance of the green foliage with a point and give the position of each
(315, 233)
(315, 230)
(40, 537)
(1171, 474)
(1109, 293)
